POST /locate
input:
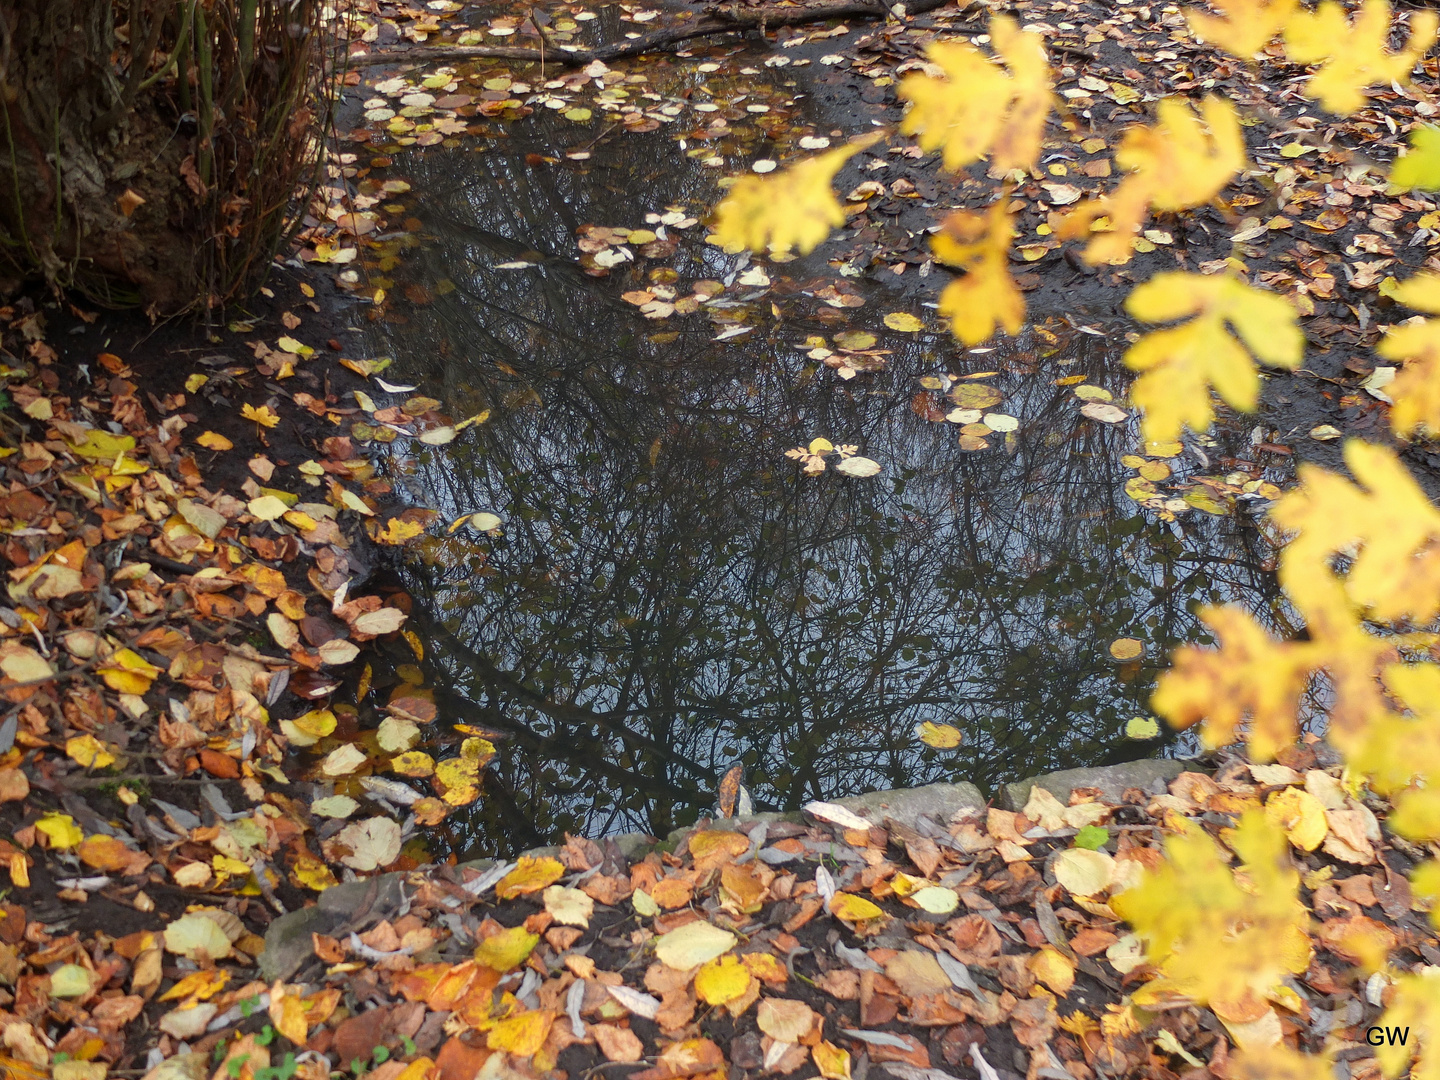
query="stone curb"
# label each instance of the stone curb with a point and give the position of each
(288, 942)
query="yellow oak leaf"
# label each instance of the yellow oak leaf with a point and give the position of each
(1382, 519)
(986, 296)
(977, 108)
(1416, 387)
(1183, 160)
(1245, 27)
(792, 209)
(1179, 365)
(1352, 54)
(530, 875)
(1250, 676)
(1215, 942)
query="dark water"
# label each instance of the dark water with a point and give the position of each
(670, 596)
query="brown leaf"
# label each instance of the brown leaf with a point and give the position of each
(617, 1043)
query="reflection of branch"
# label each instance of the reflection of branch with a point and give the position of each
(723, 20)
(565, 712)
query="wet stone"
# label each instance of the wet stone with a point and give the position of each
(1112, 780)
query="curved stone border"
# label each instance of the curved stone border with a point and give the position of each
(288, 941)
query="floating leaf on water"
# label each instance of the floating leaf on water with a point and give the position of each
(1106, 414)
(1126, 648)
(1086, 392)
(857, 466)
(1142, 727)
(904, 322)
(940, 736)
(1000, 422)
(975, 396)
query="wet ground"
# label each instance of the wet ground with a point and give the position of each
(668, 595)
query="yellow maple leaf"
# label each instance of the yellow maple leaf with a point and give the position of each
(1416, 389)
(1352, 54)
(1382, 518)
(1245, 27)
(978, 109)
(1250, 676)
(1181, 364)
(264, 415)
(1183, 160)
(1415, 1005)
(1393, 752)
(1215, 942)
(791, 209)
(986, 296)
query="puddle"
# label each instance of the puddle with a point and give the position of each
(669, 596)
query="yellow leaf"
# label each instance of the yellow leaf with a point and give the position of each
(1181, 364)
(1352, 54)
(1420, 167)
(1395, 574)
(415, 763)
(977, 108)
(936, 899)
(211, 441)
(570, 907)
(397, 532)
(785, 1020)
(1126, 648)
(1250, 676)
(267, 508)
(506, 950)
(940, 736)
(904, 322)
(1300, 814)
(1173, 165)
(195, 382)
(521, 1035)
(287, 1013)
(850, 908)
(101, 852)
(200, 985)
(1246, 26)
(1084, 872)
(313, 874)
(986, 297)
(791, 209)
(128, 672)
(1053, 969)
(693, 944)
(833, 1062)
(264, 415)
(88, 752)
(1142, 727)
(1416, 387)
(722, 980)
(1280, 1062)
(530, 875)
(1414, 1004)
(199, 937)
(309, 728)
(1214, 941)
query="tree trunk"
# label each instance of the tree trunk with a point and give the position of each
(76, 155)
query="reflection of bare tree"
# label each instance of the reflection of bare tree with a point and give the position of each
(670, 597)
